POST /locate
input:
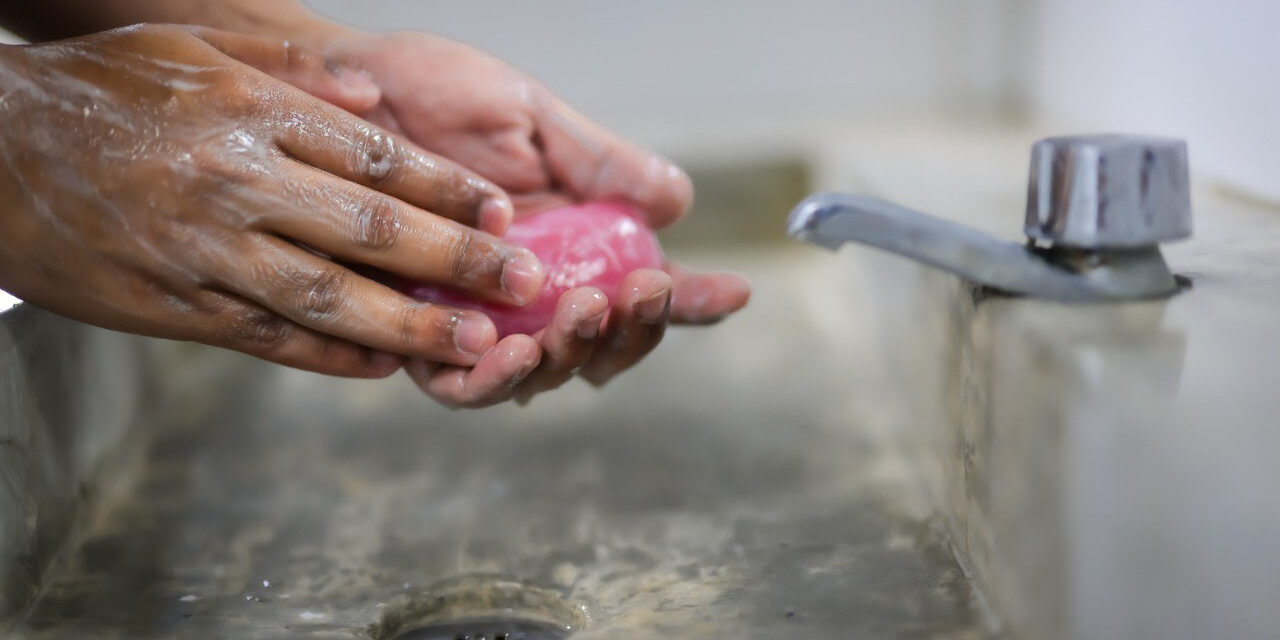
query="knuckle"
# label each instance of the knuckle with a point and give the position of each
(377, 224)
(245, 96)
(457, 253)
(413, 320)
(458, 186)
(322, 294)
(377, 157)
(260, 329)
(223, 192)
(297, 59)
(242, 98)
(216, 176)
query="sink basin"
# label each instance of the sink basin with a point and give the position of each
(750, 495)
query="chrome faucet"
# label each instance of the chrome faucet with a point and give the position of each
(1098, 208)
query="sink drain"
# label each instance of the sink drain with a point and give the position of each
(487, 629)
(478, 607)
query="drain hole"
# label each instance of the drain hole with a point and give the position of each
(487, 629)
(478, 607)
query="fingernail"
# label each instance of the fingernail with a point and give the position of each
(589, 328)
(522, 373)
(522, 276)
(660, 167)
(654, 309)
(474, 335)
(494, 216)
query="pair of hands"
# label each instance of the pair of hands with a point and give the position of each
(231, 189)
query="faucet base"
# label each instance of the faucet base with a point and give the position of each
(1116, 274)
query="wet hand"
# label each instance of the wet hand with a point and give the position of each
(589, 335)
(478, 111)
(157, 181)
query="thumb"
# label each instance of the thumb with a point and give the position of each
(594, 164)
(340, 85)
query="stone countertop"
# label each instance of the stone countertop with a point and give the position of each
(1145, 435)
(1104, 470)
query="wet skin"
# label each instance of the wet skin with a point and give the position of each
(155, 184)
(468, 106)
(220, 204)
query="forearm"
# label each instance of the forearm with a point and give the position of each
(53, 19)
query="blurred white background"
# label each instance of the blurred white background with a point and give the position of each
(681, 59)
(1197, 69)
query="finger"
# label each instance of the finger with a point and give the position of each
(635, 325)
(594, 164)
(492, 380)
(247, 327)
(325, 78)
(331, 299)
(360, 225)
(705, 298)
(355, 150)
(568, 341)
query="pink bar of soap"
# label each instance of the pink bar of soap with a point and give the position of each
(595, 244)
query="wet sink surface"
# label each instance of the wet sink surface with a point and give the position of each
(725, 489)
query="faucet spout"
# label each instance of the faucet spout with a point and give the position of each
(832, 219)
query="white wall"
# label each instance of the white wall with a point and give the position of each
(676, 59)
(1205, 70)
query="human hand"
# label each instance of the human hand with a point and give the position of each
(472, 108)
(155, 182)
(589, 335)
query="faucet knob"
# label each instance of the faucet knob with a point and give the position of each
(1108, 191)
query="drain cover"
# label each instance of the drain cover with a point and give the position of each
(477, 607)
(486, 629)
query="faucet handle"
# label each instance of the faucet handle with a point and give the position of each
(1108, 191)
